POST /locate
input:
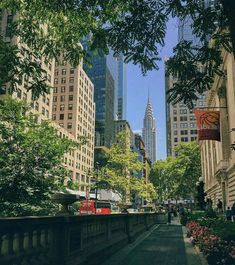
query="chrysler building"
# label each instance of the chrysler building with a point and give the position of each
(149, 132)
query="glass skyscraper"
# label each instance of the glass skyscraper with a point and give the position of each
(104, 77)
(121, 99)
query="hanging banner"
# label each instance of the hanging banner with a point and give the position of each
(208, 124)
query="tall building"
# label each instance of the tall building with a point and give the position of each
(180, 120)
(74, 110)
(121, 97)
(104, 77)
(149, 132)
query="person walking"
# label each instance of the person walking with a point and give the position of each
(219, 206)
(228, 214)
(169, 212)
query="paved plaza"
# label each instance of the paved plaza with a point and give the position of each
(163, 245)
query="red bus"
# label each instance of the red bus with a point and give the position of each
(92, 207)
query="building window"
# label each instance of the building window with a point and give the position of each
(63, 80)
(54, 117)
(70, 97)
(70, 107)
(71, 71)
(175, 118)
(61, 116)
(70, 88)
(184, 132)
(69, 125)
(175, 132)
(61, 125)
(19, 93)
(184, 139)
(37, 106)
(175, 140)
(183, 118)
(63, 71)
(193, 131)
(43, 110)
(62, 89)
(62, 98)
(62, 107)
(54, 98)
(71, 80)
(55, 90)
(175, 112)
(70, 116)
(47, 113)
(56, 81)
(183, 111)
(175, 125)
(56, 72)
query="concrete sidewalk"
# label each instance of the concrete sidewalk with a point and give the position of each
(163, 245)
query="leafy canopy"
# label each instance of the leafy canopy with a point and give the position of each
(31, 161)
(119, 172)
(135, 28)
(176, 177)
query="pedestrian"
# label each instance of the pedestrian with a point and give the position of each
(233, 212)
(228, 214)
(219, 206)
(169, 215)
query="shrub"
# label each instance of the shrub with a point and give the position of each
(216, 250)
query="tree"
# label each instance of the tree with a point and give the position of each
(135, 28)
(31, 161)
(119, 172)
(176, 177)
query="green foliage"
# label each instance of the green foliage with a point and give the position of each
(31, 161)
(176, 177)
(119, 172)
(134, 28)
(194, 66)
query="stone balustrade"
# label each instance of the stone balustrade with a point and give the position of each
(69, 240)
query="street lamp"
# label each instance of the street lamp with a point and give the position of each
(200, 193)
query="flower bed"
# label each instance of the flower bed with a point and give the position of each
(216, 250)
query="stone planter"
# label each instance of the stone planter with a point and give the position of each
(65, 199)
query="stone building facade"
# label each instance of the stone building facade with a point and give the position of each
(218, 158)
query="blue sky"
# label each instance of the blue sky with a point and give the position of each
(137, 92)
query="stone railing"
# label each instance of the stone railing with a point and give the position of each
(70, 240)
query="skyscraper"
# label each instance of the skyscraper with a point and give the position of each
(121, 99)
(149, 132)
(104, 77)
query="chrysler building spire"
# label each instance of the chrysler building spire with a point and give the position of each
(149, 131)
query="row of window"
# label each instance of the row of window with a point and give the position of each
(63, 80)
(63, 89)
(184, 118)
(185, 125)
(61, 116)
(64, 71)
(185, 132)
(184, 139)
(62, 98)
(62, 107)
